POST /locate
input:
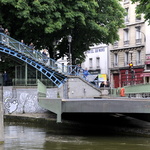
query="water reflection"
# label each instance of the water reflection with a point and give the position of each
(33, 138)
(22, 138)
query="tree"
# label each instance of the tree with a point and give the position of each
(46, 21)
(143, 7)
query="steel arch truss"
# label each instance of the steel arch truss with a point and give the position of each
(57, 78)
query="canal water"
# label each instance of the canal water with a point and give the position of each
(32, 137)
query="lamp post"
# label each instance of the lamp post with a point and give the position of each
(54, 52)
(70, 55)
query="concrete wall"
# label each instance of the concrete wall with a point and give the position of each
(78, 88)
(1, 118)
(24, 99)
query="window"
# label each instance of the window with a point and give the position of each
(98, 62)
(90, 63)
(138, 35)
(148, 67)
(116, 44)
(115, 59)
(126, 58)
(138, 57)
(127, 16)
(126, 36)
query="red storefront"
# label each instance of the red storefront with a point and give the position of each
(129, 78)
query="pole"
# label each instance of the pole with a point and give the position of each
(70, 56)
(1, 117)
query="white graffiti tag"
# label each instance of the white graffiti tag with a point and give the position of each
(11, 105)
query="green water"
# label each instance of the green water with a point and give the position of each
(21, 137)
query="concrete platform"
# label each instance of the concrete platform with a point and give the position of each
(118, 105)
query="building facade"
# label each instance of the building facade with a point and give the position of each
(97, 60)
(131, 48)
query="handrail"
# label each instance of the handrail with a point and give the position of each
(35, 54)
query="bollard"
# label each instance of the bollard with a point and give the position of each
(1, 117)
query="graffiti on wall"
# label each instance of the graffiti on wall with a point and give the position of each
(11, 103)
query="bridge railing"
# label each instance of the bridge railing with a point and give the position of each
(34, 54)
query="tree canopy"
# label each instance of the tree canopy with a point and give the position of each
(143, 7)
(44, 22)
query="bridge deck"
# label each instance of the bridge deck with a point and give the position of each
(118, 105)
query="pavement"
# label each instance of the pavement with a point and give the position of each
(32, 115)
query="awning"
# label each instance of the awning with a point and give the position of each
(147, 62)
(146, 74)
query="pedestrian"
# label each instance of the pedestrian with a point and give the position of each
(78, 69)
(22, 45)
(44, 53)
(5, 78)
(31, 45)
(22, 42)
(102, 84)
(85, 73)
(6, 32)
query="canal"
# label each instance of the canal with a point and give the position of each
(126, 134)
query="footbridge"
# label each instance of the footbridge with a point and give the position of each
(117, 105)
(53, 70)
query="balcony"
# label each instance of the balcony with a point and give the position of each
(116, 45)
(126, 43)
(126, 20)
(138, 41)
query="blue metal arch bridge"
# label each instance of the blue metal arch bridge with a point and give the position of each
(53, 70)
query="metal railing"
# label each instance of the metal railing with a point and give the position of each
(34, 54)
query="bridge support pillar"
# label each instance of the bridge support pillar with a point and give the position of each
(1, 117)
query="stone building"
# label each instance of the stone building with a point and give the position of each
(132, 47)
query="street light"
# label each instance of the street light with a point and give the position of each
(54, 51)
(70, 55)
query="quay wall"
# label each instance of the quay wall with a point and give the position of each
(21, 100)
(1, 118)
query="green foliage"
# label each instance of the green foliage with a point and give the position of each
(143, 7)
(46, 21)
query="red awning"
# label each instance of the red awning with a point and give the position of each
(147, 74)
